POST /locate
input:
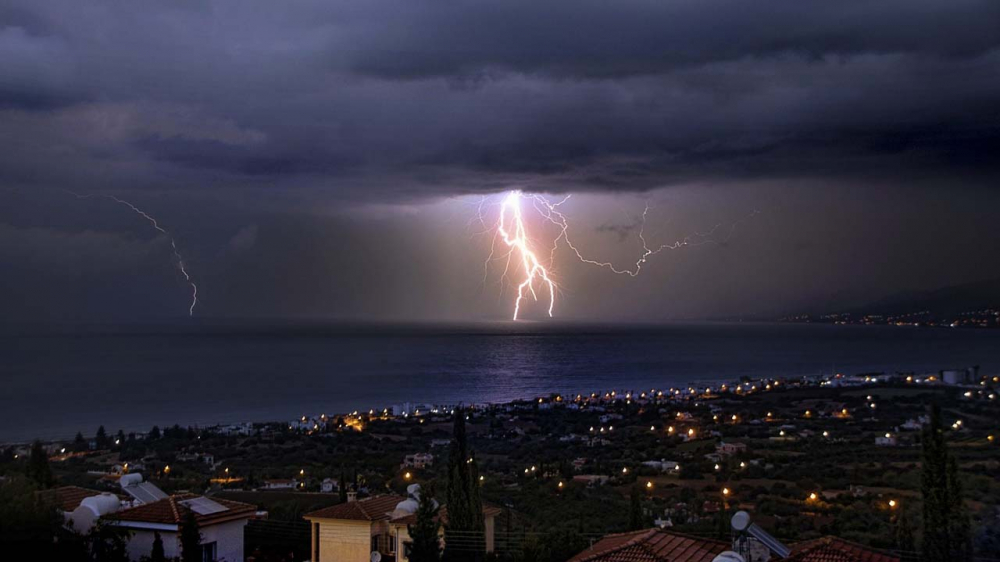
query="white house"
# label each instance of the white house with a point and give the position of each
(280, 484)
(220, 522)
(418, 460)
(328, 485)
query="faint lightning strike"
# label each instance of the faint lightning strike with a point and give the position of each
(156, 225)
(551, 212)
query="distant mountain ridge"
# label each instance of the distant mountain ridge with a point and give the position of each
(947, 300)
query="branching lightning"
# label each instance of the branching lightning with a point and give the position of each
(510, 228)
(156, 225)
(515, 236)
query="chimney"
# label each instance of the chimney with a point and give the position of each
(352, 496)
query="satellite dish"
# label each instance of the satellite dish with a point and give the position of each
(376, 557)
(728, 556)
(741, 520)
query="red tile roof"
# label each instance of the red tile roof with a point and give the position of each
(833, 549)
(370, 509)
(68, 498)
(652, 545)
(169, 511)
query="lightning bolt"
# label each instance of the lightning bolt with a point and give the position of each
(173, 244)
(511, 230)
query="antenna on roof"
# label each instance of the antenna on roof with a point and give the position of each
(746, 534)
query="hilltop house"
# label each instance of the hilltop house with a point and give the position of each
(418, 460)
(220, 521)
(352, 531)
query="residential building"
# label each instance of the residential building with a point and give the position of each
(220, 522)
(280, 484)
(418, 460)
(729, 449)
(352, 531)
(968, 375)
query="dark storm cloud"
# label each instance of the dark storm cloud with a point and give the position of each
(381, 99)
(257, 130)
(592, 38)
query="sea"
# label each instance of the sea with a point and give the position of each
(56, 381)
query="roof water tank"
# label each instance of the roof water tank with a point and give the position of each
(130, 479)
(102, 504)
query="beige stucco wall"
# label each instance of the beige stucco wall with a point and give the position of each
(342, 540)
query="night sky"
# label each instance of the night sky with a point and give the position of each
(327, 159)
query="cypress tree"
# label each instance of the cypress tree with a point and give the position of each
(342, 487)
(79, 443)
(904, 536)
(101, 438)
(157, 555)
(38, 469)
(959, 529)
(190, 539)
(635, 510)
(465, 531)
(424, 533)
(933, 489)
(946, 531)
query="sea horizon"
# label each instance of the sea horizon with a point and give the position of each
(134, 376)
